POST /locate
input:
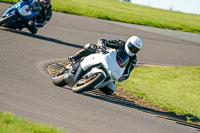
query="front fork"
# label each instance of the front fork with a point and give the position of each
(74, 75)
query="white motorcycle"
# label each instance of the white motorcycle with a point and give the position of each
(99, 70)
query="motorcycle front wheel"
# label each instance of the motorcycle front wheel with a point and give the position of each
(7, 19)
(88, 83)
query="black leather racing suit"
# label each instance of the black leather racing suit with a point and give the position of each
(40, 20)
(44, 16)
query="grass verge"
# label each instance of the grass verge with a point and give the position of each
(9, 123)
(130, 13)
(175, 89)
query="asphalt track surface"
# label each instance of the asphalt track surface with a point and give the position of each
(26, 88)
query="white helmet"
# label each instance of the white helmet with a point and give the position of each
(133, 45)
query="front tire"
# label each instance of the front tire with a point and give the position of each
(7, 19)
(88, 83)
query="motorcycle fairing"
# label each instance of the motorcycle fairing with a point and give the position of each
(12, 8)
(23, 9)
(108, 61)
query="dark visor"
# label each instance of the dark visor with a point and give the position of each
(122, 58)
(132, 48)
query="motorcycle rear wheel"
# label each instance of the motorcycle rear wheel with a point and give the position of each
(88, 83)
(7, 19)
(59, 80)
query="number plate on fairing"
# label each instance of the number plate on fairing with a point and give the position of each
(24, 11)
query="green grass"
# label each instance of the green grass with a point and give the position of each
(130, 13)
(176, 89)
(9, 123)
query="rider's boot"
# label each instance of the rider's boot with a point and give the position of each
(108, 90)
(78, 55)
(87, 50)
(32, 27)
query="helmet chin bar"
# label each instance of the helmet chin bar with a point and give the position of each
(128, 51)
(133, 45)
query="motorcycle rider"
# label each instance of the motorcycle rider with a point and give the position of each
(131, 47)
(44, 16)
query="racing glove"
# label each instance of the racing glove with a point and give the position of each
(71, 59)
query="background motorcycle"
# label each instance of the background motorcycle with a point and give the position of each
(100, 70)
(18, 15)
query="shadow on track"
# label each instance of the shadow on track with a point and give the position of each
(179, 119)
(49, 39)
(120, 100)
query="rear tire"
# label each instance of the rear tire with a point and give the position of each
(7, 19)
(78, 88)
(59, 80)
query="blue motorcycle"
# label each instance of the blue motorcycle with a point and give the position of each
(20, 14)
